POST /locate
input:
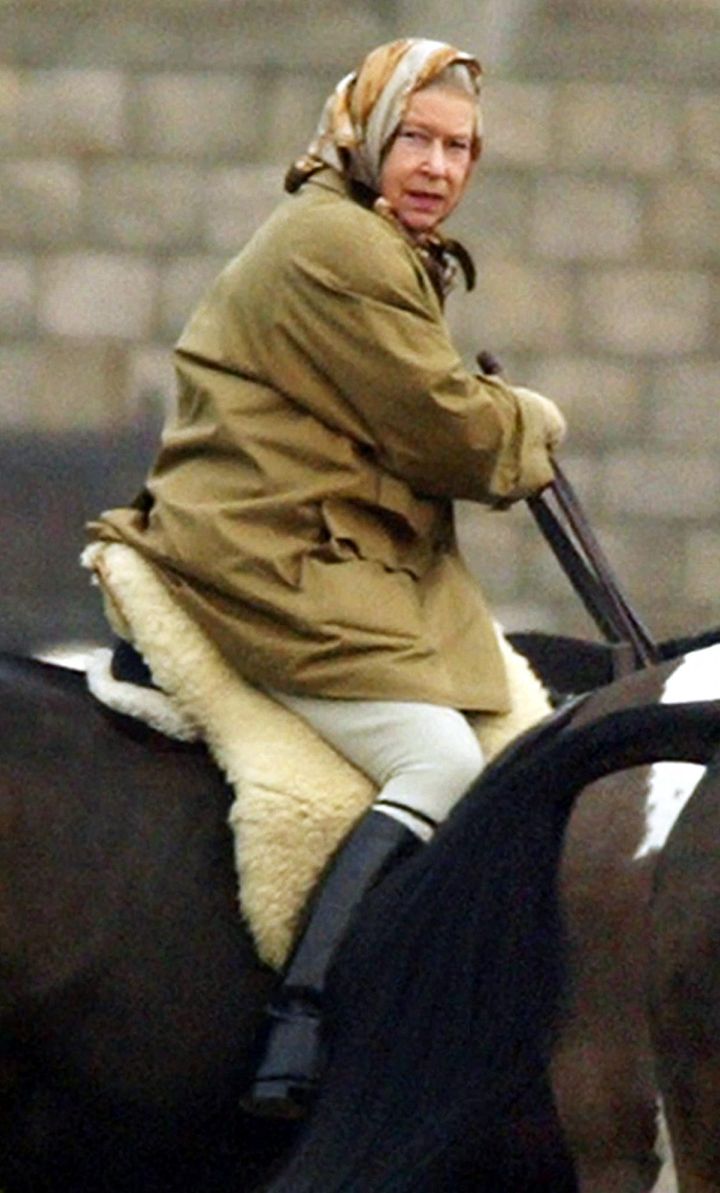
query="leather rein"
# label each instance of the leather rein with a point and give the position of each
(561, 519)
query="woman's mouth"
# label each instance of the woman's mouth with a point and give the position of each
(425, 200)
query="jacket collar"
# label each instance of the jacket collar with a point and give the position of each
(440, 256)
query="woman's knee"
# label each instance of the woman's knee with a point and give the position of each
(462, 768)
(446, 777)
(439, 764)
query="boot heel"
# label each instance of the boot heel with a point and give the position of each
(287, 1076)
(278, 1097)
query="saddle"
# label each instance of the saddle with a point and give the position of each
(295, 797)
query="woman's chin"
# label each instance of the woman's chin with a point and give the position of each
(419, 223)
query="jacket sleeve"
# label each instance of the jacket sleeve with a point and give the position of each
(354, 314)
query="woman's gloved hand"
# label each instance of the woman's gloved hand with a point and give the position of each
(556, 427)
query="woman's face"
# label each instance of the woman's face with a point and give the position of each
(429, 162)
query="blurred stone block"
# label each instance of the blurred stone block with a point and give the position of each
(702, 576)
(684, 403)
(518, 121)
(647, 311)
(97, 294)
(616, 127)
(701, 142)
(290, 112)
(50, 485)
(493, 219)
(150, 384)
(600, 398)
(317, 36)
(17, 295)
(661, 484)
(586, 219)
(659, 7)
(684, 220)
(528, 307)
(9, 106)
(621, 41)
(144, 204)
(74, 111)
(197, 115)
(20, 366)
(40, 201)
(491, 545)
(183, 281)
(52, 33)
(236, 203)
(80, 385)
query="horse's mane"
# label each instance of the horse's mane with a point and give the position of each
(445, 998)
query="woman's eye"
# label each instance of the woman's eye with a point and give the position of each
(413, 136)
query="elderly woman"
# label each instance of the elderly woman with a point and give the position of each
(300, 505)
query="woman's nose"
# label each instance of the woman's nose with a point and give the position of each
(435, 160)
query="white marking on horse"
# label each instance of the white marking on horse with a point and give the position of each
(672, 783)
(667, 1177)
(73, 655)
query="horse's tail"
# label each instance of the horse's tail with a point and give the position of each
(445, 999)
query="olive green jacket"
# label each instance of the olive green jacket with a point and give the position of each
(300, 505)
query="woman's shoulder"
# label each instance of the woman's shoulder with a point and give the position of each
(334, 234)
(330, 215)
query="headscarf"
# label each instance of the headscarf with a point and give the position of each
(363, 113)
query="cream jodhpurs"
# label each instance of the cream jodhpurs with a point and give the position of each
(423, 757)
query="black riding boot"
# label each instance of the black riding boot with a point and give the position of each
(287, 1074)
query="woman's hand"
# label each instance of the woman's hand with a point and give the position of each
(556, 427)
(554, 420)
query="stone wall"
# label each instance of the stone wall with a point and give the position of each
(142, 142)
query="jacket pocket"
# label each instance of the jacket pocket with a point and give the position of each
(387, 534)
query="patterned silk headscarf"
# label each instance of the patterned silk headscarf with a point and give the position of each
(364, 111)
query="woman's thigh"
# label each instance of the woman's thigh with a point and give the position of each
(422, 755)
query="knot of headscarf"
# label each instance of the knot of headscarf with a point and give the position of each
(360, 118)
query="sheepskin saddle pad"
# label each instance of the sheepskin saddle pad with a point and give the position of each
(295, 798)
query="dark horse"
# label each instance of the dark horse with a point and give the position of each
(130, 996)
(608, 1055)
(129, 990)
